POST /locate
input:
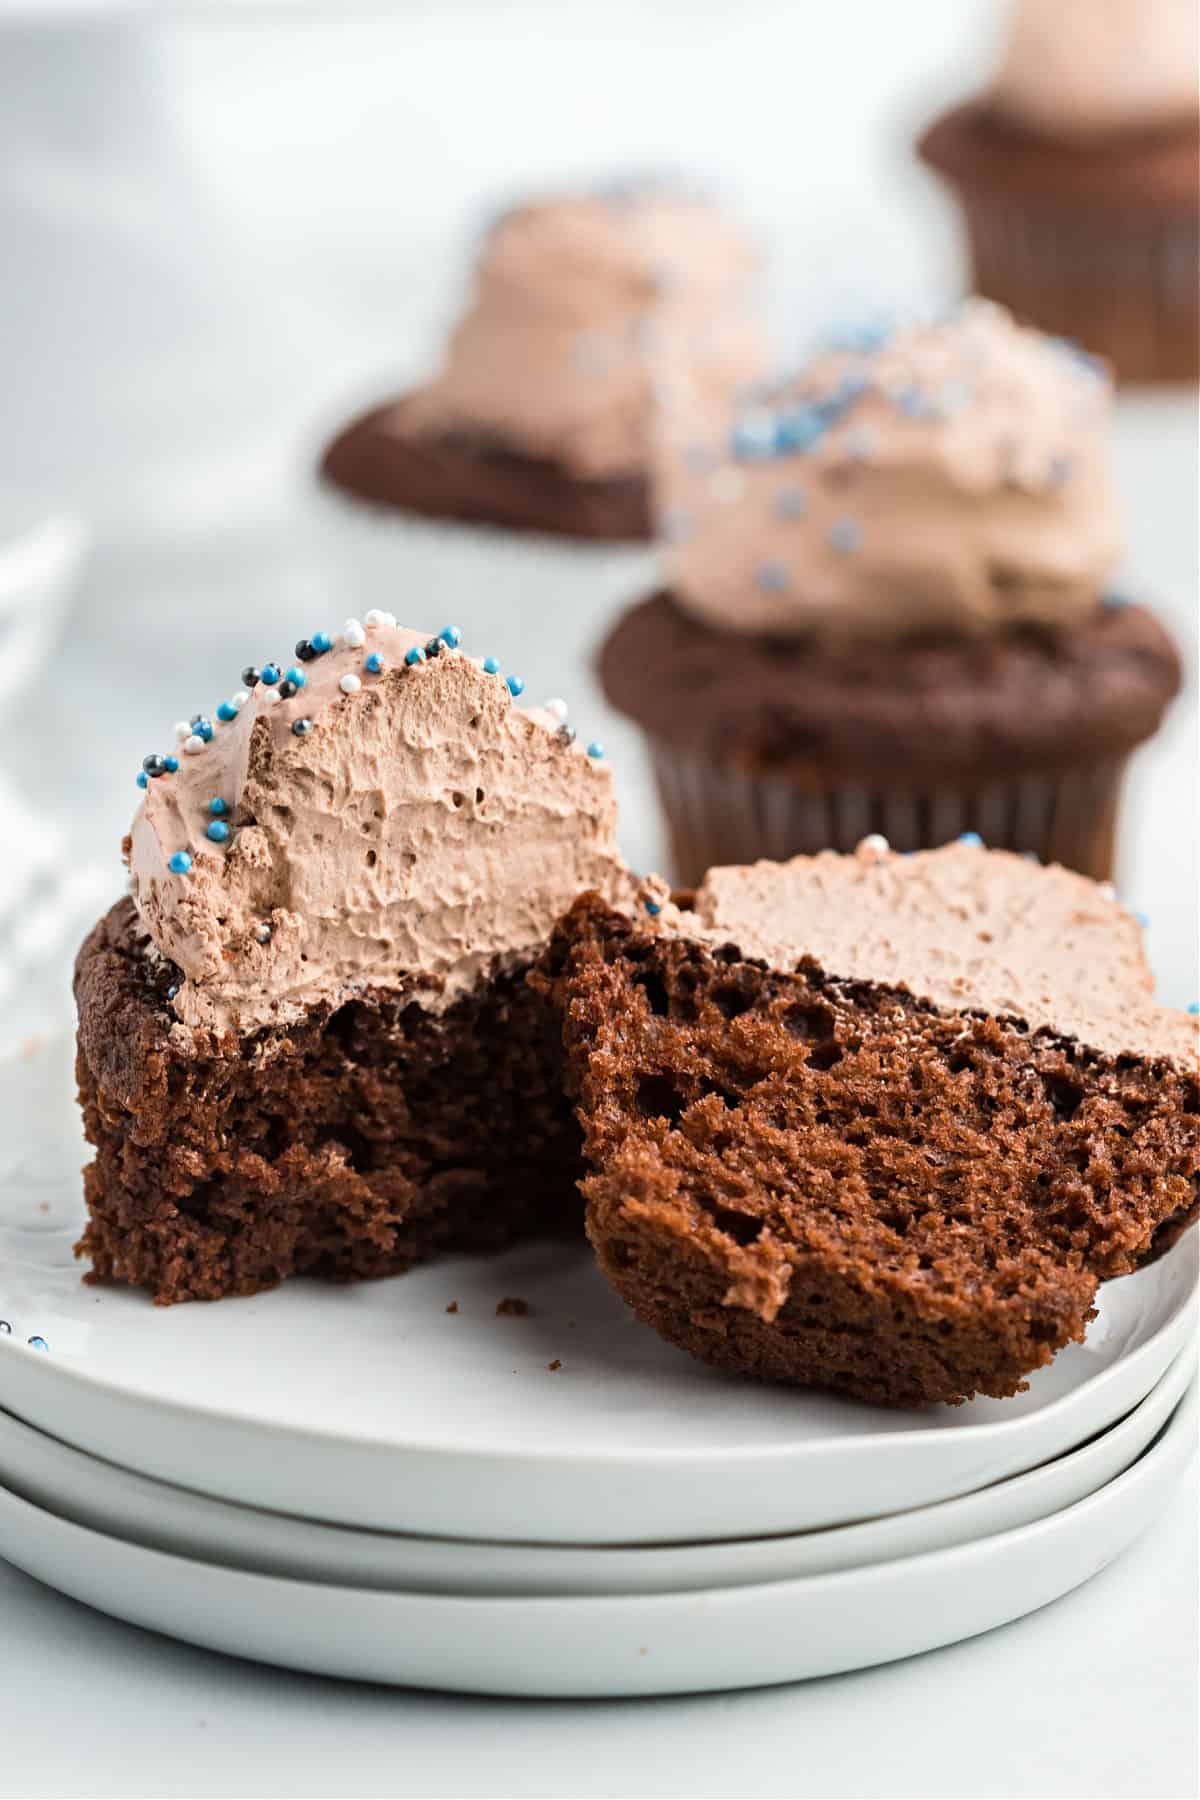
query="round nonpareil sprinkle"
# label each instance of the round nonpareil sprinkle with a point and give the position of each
(227, 711)
(557, 709)
(350, 684)
(353, 634)
(269, 674)
(595, 750)
(321, 642)
(451, 636)
(972, 839)
(180, 862)
(515, 685)
(216, 806)
(374, 664)
(414, 656)
(143, 780)
(301, 727)
(217, 831)
(194, 744)
(490, 666)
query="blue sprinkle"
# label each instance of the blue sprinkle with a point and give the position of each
(595, 749)
(297, 677)
(653, 908)
(321, 642)
(143, 780)
(1194, 1008)
(218, 831)
(414, 656)
(171, 764)
(37, 1343)
(845, 535)
(800, 428)
(515, 685)
(268, 675)
(217, 806)
(771, 578)
(1113, 602)
(490, 666)
(374, 663)
(790, 503)
(202, 728)
(180, 863)
(450, 634)
(753, 436)
(971, 838)
(912, 403)
(226, 711)
(861, 338)
(1143, 920)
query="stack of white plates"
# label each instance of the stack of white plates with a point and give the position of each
(395, 1482)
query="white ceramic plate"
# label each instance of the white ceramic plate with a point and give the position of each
(626, 1644)
(373, 1406)
(160, 1517)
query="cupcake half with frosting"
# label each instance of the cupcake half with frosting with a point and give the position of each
(1078, 172)
(515, 478)
(888, 607)
(306, 1042)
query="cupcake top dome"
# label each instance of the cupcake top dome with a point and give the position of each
(579, 300)
(1084, 68)
(949, 477)
(375, 811)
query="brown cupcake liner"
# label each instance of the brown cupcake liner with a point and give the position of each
(1125, 286)
(724, 815)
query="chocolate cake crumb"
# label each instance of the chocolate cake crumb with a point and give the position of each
(830, 1182)
(354, 1144)
(512, 1308)
(453, 1307)
(555, 1365)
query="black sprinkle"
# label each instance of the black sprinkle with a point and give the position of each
(434, 647)
(287, 689)
(305, 651)
(250, 678)
(301, 727)
(154, 765)
(565, 734)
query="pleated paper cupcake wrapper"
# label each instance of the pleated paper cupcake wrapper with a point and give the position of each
(724, 815)
(1124, 286)
(539, 604)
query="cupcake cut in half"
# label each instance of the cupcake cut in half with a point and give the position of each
(539, 420)
(876, 1123)
(888, 609)
(306, 1042)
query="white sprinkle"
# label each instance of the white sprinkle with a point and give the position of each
(270, 695)
(374, 617)
(353, 634)
(557, 709)
(389, 620)
(240, 698)
(1106, 890)
(875, 844)
(727, 485)
(182, 729)
(350, 684)
(193, 745)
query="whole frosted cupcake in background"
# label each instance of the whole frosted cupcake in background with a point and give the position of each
(887, 607)
(1078, 172)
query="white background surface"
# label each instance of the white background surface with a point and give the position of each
(219, 226)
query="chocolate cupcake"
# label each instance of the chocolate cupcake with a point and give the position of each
(306, 1044)
(1078, 173)
(537, 425)
(887, 607)
(876, 1123)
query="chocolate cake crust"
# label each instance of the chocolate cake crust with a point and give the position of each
(834, 1183)
(352, 1145)
(892, 713)
(480, 483)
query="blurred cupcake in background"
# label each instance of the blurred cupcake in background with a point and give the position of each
(887, 606)
(1078, 173)
(537, 424)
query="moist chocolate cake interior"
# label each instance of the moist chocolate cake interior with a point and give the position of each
(833, 1182)
(351, 1145)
